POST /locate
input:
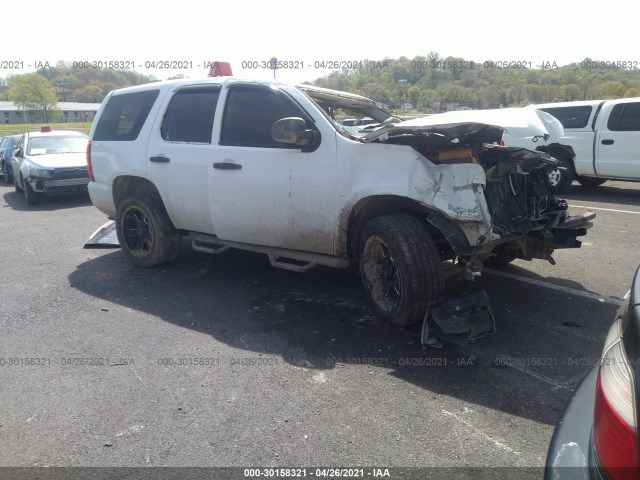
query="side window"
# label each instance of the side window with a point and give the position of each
(571, 117)
(625, 117)
(250, 113)
(124, 116)
(189, 116)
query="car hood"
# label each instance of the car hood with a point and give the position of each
(58, 160)
(462, 126)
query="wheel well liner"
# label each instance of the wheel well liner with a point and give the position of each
(371, 207)
(558, 150)
(124, 185)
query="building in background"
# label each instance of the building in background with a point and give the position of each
(66, 112)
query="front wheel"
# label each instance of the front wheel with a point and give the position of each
(562, 178)
(400, 268)
(31, 197)
(16, 186)
(145, 231)
(6, 173)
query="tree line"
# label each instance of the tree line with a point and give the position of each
(428, 83)
(432, 83)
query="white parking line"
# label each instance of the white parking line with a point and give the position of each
(604, 209)
(513, 363)
(572, 291)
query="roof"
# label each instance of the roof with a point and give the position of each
(57, 133)
(63, 106)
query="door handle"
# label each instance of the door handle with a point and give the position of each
(607, 142)
(227, 166)
(160, 159)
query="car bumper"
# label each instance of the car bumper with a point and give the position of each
(570, 455)
(102, 198)
(48, 185)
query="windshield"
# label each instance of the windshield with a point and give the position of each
(57, 144)
(352, 115)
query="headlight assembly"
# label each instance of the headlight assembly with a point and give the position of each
(38, 172)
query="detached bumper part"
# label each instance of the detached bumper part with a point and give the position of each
(466, 317)
(104, 237)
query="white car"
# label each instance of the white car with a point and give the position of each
(264, 166)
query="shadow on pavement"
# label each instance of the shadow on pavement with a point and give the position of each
(320, 320)
(58, 201)
(619, 193)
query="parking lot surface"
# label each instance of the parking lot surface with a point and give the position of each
(226, 361)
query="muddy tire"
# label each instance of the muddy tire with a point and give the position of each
(400, 268)
(590, 182)
(561, 179)
(145, 231)
(30, 196)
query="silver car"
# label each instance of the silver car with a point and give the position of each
(48, 162)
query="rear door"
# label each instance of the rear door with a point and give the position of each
(179, 155)
(618, 142)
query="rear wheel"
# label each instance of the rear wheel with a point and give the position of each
(562, 178)
(145, 231)
(590, 181)
(400, 268)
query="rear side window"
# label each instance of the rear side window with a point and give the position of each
(625, 117)
(250, 113)
(124, 116)
(571, 117)
(189, 117)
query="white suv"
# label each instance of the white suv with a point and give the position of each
(263, 166)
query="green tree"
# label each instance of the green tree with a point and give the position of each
(33, 92)
(611, 89)
(632, 92)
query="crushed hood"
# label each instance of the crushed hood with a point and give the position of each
(462, 126)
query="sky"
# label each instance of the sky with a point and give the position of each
(307, 33)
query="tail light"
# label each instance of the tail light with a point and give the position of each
(89, 167)
(615, 430)
(501, 143)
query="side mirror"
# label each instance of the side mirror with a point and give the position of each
(292, 131)
(17, 153)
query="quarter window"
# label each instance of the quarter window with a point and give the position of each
(124, 116)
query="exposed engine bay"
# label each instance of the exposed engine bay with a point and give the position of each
(519, 195)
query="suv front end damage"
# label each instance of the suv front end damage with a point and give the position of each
(492, 203)
(526, 216)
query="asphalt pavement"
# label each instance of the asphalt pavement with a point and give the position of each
(226, 361)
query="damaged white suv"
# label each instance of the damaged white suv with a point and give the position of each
(266, 167)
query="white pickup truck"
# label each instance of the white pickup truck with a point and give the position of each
(605, 137)
(264, 166)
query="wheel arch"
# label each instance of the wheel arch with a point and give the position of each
(370, 207)
(559, 150)
(127, 184)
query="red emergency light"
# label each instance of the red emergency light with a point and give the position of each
(45, 128)
(220, 69)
